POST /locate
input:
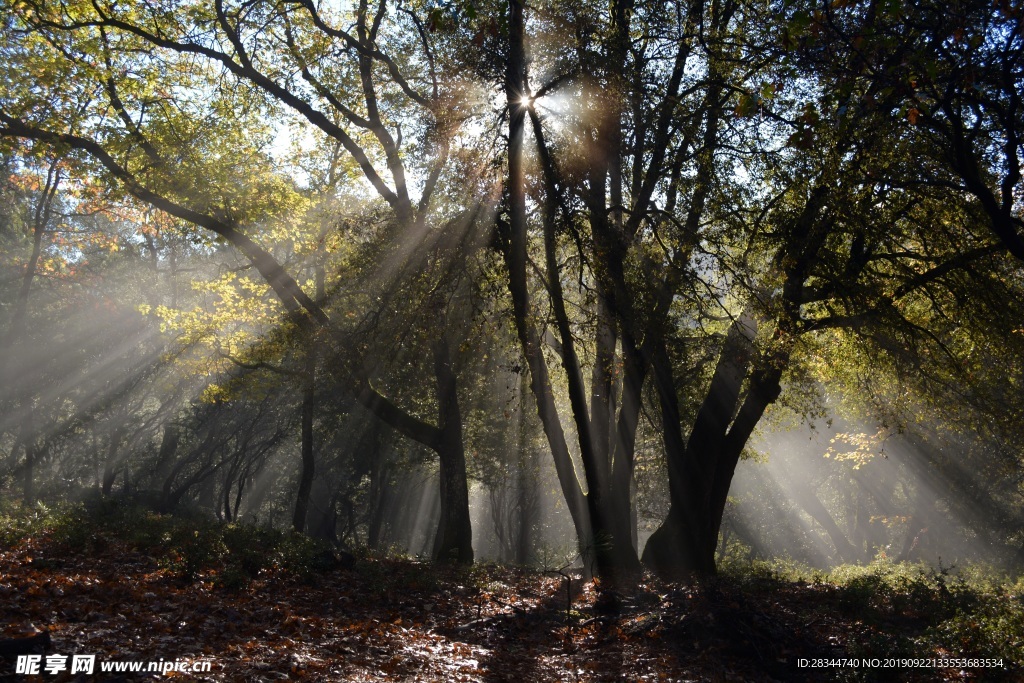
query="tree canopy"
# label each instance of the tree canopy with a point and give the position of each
(492, 245)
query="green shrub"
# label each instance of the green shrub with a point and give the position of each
(306, 556)
(18, 523)
(974, 612)
(232, 579)
(194, 548)
(251, 549)
(992, 627)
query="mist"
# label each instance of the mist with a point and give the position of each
(848, 491)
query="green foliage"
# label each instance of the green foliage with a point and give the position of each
(993, 627)
(18, 523)
(189, 546)
(191, 550)
(737, 565)
(811, 184)
(248, 546)
(910, 608)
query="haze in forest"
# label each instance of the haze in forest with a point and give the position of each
(627, 286)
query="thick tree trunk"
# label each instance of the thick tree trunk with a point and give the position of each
(701, 473)
(765, 387)
(699, 470)
(526, 483)
(526, 489)
(168, 449)
(686, 543)
(454, 539)
(635, 370)
(615, 555)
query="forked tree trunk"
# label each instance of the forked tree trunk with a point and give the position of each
(701, 473)
(810, 504)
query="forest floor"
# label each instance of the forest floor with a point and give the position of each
(112, 593)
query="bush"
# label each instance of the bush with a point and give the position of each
(193, 550)
(975, 612)
(251, 549)
(18, 523)
(187, 545)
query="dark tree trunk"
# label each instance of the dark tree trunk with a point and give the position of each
(701, 470)
(113, 462)
(168, 448)
(526, 489)
(240, 491)
(380, 495)
(516, 262)
(454, 539)
(207, 497)
(227, 512)
(308, 468)
(624, 441)
(608, 497)
(765, 388)
(810, 504)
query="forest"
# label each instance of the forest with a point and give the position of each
(636, 340)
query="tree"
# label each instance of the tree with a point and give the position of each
(135, 58)
(693, 206)
(808, 248)
(39, 223)
(954, 74)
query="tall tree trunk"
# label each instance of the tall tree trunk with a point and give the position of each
(454, 538)
(380, 500)
(168, 449)
(308, 468)
(765, 386)
(113, 462)
(608, 545)
(609, 489)
(226, 498)
(516, 263)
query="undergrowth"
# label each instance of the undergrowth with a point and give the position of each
(913, 610)
(230, 554)
(886, 609)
